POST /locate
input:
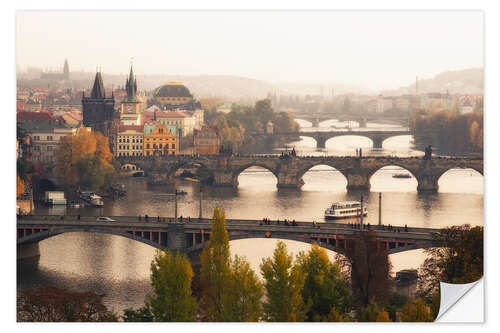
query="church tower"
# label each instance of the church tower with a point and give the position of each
(66, 70)
(131, 107)
(98, 109)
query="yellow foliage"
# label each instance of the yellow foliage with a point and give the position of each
(20, 186)
(383, 316)
(416, 312)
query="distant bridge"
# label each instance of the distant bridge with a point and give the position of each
(321, 137)
(192, 235)
(316, 118)
(289, 170)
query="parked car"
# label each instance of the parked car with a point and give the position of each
(105, 219)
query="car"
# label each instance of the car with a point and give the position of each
(105, 219)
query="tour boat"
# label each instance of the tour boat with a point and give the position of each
(91, 198)
(401, 175)
(345, 209)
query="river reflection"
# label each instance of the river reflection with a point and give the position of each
(119, 267)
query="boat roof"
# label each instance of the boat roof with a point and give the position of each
(346, 202)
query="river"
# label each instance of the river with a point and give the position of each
(119, 267)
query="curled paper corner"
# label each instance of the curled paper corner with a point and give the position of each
(453, 296)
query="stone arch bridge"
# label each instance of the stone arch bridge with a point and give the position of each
(377, 137)
(190, 236)
(289, 170)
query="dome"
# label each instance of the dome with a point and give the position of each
(172, 89)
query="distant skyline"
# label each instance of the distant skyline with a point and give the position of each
(374, 50)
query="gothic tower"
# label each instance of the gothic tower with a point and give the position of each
(98, 109)
(131, 107)
(66, 69)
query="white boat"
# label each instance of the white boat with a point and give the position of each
(91, 198)
(345, 209)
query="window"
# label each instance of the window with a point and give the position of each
(49, 138)
(147, 146)
(49, 148)
(166, 145)
(120, 140)
(128, 141)
(36, 137)
(173, 145)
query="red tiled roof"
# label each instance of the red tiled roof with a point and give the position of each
(162, 114)
(137, 128)
(26, 116)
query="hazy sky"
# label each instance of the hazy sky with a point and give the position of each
(376, 50)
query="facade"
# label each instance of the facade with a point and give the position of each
(184, 122)
(130, 141)
(131, 106)
(98, 110)
(158, 140)
(206, 141)
(44, 138)
(172, 94)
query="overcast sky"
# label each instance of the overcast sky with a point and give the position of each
(376, 50)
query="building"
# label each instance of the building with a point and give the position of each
(225, 108)
(98, 110)
(158, 140)
(131, 106)
(269, 128)
(184, 122)
(206, 141)
(45, 137)
(55, 76)
(129, 141)
(173, 95)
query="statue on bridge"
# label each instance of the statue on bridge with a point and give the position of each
(428, 152)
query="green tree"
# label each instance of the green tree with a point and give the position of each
(335, 316)
(459, 260)
(283, 285)
(324, 285)
(373, 313)
(171, 278)
(215, 274)
(244, 293)
(416, 312)
(140, 315)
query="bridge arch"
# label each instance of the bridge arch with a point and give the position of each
(468, 179)
(42, 235)
(329, 138)
(412, 174)
(237, 172)
(384, 140)
(341, 180)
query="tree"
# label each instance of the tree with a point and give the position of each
(283, 285)
(324, 285)
(19, 186)
(244, 293)
(140, 315)
(369, 268)
(334, 316)
(416, 312)
(171, 278)
(459, 260)
(215, 274)
(51, 304)
(84, 159)
(372, 313)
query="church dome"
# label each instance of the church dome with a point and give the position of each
(172, 89)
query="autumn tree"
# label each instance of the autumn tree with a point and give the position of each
(335, 316)
(19, 186)
(416, 312)
(373, 313)
(244, 293)
(84, 159)
(140, 315)
(51, 304)
(171, 278)
(459, 260)
(369, 268)
(324, 285)
(283, 283)
(215, 273)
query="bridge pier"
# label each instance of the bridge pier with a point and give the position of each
(377, 141)
(176, 238)
(225, 178)
(321, 142)
(28, 254)
(427, 183)
(357, 181)
(286, 180)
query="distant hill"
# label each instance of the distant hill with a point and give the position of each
(466, 81)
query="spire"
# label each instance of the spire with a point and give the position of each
(131, 85)
(98, 89)
(66, 69)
